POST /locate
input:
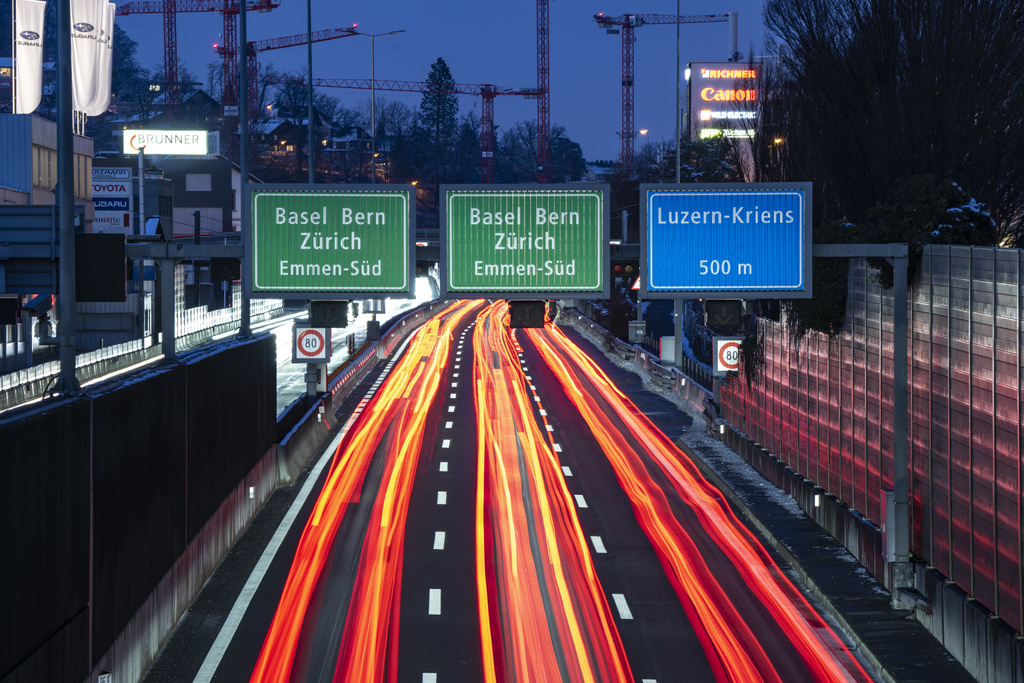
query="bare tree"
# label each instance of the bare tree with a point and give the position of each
(875, 91)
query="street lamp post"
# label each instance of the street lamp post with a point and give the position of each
(373, 101)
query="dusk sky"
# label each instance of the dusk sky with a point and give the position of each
(486, 43)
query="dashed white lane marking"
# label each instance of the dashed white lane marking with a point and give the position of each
(580, 501)
(566, 471)
(442, 497)
(598, 544)
(446, 443)
(455, 385)
(643, 680)
(550, 428)
(456, 366)
(451, 409)
(431, 678)
(558, 448)
(453, 396)
(620, 603)
(543, 412)
(536, 398)
(438, 540)
(234, 618)
(434, 604)
(448, 425)
(444, 466)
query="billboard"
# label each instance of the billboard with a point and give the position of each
(320, 242)
(166, 142)
(723, 99)
(112, 199)
(511, 242)
(726, 240)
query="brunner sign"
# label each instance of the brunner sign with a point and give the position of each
(166, 142)
(726, 241)
(320, 242)
(540, 242)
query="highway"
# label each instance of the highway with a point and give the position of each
(496, 510)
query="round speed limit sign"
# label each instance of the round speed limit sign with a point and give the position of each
(312, 344)
(727, 354)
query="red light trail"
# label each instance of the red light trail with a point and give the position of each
(543, 612)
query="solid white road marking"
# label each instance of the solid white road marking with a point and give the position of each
(434, 606)
(620, 603)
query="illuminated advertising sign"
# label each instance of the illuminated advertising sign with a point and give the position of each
(165, 142)
(541, 242)
(723, 100)
(726, 240)
(320, 242)
(112, 199)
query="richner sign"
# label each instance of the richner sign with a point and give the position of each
(319, 242)
(726, 240)
(541, 242)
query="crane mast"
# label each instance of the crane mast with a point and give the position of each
(627, 23)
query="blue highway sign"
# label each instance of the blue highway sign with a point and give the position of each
(727, 240)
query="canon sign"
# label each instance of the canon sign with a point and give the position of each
(727, 95)
(167, 142)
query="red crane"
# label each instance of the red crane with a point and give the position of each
(543, 99)
(628, 22)
(170, 9)
(486, 91)
(253, 47)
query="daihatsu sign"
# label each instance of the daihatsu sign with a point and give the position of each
(166, 142)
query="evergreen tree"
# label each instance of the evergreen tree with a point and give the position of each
(438, 115)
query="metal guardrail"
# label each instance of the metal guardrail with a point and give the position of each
(686, 386)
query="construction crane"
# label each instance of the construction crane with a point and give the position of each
(486, 91)
(170, 10)
(543, 96)
(253, 47)
(629, 22)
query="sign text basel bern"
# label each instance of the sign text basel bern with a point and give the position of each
(512, 242)
(748, 241)
(322, 243)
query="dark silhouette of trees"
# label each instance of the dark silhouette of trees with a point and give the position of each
(869, 93)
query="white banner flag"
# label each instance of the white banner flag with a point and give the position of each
(86, 16)
(29, 54)
(104, 62)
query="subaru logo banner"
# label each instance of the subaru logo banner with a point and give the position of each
(91, 49)
(29, 55)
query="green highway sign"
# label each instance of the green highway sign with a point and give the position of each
(321, 242)
(516, 242)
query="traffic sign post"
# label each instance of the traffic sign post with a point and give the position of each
(319, 242)
(541, 242)
(311, 344)
(726, 241)
(727, 355)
